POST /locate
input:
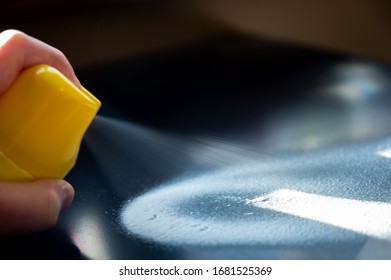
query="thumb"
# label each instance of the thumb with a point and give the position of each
(32, 206)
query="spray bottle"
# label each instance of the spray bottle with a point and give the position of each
(43, 117)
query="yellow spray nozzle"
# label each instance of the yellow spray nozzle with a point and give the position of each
(43, 118)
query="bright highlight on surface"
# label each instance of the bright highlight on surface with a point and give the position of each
(384, 153)
(88, 238)
(358, 82)
(366, 217)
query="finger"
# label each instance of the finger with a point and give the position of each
(19, 51)
(32, 206)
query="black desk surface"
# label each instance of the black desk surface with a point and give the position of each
(229, 149)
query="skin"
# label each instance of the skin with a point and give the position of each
(30, 206)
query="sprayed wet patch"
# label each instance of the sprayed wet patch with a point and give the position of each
(283, 201)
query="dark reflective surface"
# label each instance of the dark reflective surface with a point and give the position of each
(220, 124)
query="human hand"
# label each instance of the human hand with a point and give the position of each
(30, 206)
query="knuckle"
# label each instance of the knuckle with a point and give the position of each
(13, 36)
(59, 55)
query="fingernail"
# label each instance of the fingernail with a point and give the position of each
(66, 192)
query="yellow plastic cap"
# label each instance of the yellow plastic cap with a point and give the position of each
(43, 118)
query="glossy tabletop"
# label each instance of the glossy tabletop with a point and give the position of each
(230, 149)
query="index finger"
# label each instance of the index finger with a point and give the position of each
(19, 51)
